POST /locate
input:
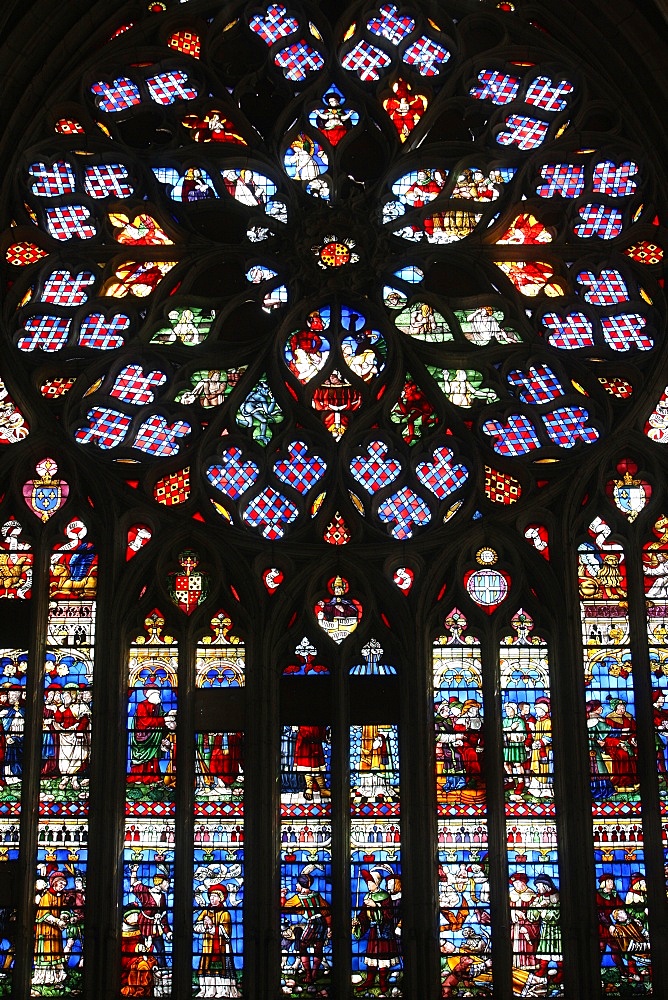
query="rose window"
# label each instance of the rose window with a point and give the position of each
(336, 305)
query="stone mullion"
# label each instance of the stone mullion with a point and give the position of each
(107, 791)
(418, 822)
(261, 809)
(184, 832)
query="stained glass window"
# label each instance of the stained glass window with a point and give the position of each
(375, 868)
(333, 409)
(150, 823)
(306, 859)
(16, 561)
(463, 871)
(60, 884)
(615, 785)
(654, 559)
(531, 832)
(219, 867)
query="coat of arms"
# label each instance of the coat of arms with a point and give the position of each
(188, 587)
(45, 495)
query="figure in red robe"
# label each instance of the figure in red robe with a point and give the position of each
(310, 759)
(608, 900)
(212, 127)
(149, 729)
(226, 757)
(405, 109)
(620, 745)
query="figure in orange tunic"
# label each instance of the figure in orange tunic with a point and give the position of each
(140, 974)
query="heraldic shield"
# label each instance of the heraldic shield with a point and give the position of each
(46, 494)
(188, 587)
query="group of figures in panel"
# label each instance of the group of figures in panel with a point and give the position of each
(464, 888)
(62, 835)
(533, 325)
(151, 829)
(375, 853)
(613, 754)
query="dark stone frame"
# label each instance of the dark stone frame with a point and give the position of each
(28, 62)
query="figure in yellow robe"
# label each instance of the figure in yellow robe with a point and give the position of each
(376, 765)
(217, 975)
(540, 765)
(49, 969)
